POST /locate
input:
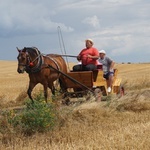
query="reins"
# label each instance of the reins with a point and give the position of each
(53, 61)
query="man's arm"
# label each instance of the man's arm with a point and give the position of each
(112, 66)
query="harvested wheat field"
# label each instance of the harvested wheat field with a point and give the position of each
(118, 123)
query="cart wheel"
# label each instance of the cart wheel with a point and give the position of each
(66, 101)
(121, 91)
(98, 94)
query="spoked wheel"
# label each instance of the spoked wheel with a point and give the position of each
(121, 91)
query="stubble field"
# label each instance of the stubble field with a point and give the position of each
(120, 123)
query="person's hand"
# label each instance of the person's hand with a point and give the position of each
(89, 56)
(111, 70)
(78, 57)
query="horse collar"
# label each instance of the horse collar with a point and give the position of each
(30, 67)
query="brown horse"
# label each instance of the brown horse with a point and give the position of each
(37, 66)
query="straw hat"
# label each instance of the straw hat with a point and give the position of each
(89, 40)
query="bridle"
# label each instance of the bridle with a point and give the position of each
(30, 67)
(27, 58)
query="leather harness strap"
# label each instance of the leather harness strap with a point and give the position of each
(55, 62)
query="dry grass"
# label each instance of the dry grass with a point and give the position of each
(121, 123)
(13, 85)
(135, 76)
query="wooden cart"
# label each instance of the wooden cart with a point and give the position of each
(78, 83)
(83, 80)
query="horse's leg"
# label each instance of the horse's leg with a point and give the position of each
(45, 91)
(52, 87)
(30, 88)
(62, 85)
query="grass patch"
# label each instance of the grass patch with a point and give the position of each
(35, 117)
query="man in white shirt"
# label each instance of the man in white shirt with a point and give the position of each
(108, 68)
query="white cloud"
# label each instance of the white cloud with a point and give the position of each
(92, 21)
(28, 18)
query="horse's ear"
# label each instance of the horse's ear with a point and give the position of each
(18, 49)
(24, 49)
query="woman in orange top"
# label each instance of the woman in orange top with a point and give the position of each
(88, 58)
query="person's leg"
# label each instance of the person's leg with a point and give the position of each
(77, 68)
(109, 81)
(90, 67)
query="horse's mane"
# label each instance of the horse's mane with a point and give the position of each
(33, 51)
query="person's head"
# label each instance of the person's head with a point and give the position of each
(89, 43)
(102, 53)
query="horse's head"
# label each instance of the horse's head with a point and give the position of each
(29, 60)
(22, 60)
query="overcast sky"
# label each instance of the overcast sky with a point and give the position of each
(120, 27)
